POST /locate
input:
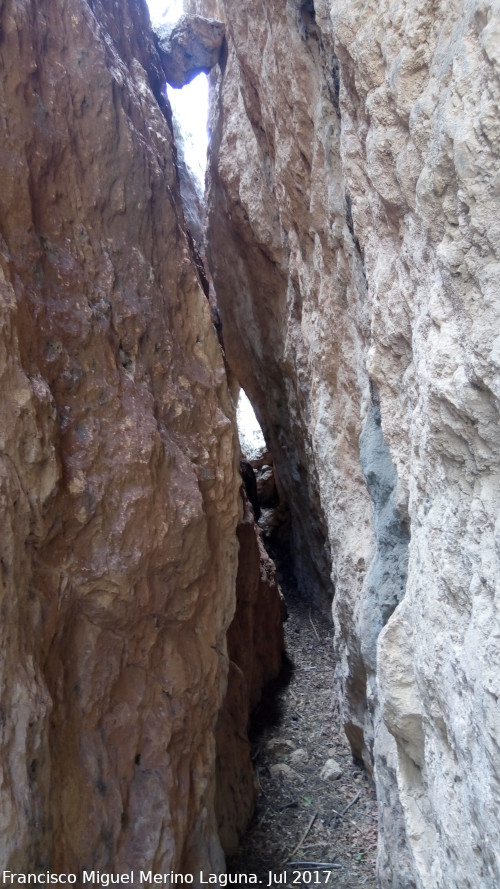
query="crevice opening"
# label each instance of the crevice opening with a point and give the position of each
(189, 105)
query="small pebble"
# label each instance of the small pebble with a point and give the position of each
(299, 755)
(331, 770)
(282, 770)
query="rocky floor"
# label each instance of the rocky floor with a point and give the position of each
(316, 817)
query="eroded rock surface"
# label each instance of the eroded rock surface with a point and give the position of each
(354, 242)
(189, 47)
(118, 463)
(255, 643)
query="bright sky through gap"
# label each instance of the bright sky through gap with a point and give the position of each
(190, 108)
(164, 10)
(251, 438)
(189, 104)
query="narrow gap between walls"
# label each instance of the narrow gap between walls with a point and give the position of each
(189, 104)
(315, 820)
(306, 778)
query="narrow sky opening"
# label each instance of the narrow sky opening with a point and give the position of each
(189, 104)
(190, 110)
(164, 10)
(252, 441)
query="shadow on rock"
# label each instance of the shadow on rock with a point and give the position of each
(269, 711)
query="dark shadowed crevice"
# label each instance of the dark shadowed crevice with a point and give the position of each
(305, 772)
(386, 578)
(299, 546)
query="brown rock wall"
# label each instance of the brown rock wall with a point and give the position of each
(255, 643)
(118, 462)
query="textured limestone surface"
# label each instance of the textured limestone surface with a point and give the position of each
(354, 240)
(270, 283)
(118, 461)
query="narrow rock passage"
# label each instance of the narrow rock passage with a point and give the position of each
(299, 816)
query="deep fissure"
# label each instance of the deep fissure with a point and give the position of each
(343, 271)
(305, 770)
(271, 512)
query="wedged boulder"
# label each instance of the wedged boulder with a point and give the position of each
(189, 47)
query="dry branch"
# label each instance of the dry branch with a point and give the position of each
(304, 835)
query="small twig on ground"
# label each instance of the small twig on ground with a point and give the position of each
(354, 800)
(262, 818)
(256, 753)
(314, 628)
(291, 805)
(343, 812)
(257, 776)
(369, 815)
(348, 820)
(325, 864)
(308, 828)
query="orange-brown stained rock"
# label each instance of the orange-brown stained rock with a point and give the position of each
(255, 643)
(118, 490)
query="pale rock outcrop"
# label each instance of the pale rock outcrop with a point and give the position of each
(118, 462)
(355, 245)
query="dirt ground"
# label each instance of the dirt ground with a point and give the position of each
(308, 829)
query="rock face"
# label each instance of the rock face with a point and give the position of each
(189, 47)
(119, 483)
(255, 642)
(354, 241)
